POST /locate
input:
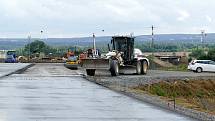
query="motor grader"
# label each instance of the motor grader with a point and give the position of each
(121, 58)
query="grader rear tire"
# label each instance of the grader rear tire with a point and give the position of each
(138, 67)
(90, 72)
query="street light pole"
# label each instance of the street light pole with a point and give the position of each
(95, 52)
(29, 48)
(41, 35)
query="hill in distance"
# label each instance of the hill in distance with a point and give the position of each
(14, 43)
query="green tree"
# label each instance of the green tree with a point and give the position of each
(198, 54)
(36, 47)
(211, 54)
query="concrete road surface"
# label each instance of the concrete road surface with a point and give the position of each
(50, 92)
(7, 68)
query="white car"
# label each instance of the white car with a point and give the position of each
(202, 65)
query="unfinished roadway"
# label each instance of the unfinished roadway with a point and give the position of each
(50, 92)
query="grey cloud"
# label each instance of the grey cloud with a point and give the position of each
(82, 17)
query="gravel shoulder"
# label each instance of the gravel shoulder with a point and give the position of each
(124, 83)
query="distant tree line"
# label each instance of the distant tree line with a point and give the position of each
(36, 47)
(202, 54)
(199, 51)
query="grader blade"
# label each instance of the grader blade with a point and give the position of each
(95, 63)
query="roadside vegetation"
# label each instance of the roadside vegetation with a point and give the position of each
(145, 47)
(203, 54)
(173, 47)
(36, 47)
(180, 67)
(198, 95)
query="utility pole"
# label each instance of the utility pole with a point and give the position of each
(152, 43)
(203, 35)
(94, 44)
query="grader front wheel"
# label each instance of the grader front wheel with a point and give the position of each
(144, 67)
(114, 68)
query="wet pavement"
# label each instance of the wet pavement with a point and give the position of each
(7, 68)
(50, 92)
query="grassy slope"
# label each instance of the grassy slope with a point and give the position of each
(198, 95)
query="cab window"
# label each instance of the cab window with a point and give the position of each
(212, 62)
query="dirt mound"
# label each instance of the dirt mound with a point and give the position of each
(157, 63)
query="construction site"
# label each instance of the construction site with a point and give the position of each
(124, 79)
(107, 60)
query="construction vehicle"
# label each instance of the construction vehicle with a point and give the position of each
(72, 60)
(121, 58)
(8, 56)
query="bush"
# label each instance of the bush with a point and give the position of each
(158, 90)
(211, 54)
(201, 55)
(198, 53)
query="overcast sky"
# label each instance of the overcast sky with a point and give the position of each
(78, 18)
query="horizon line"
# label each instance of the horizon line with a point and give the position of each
(101, 36)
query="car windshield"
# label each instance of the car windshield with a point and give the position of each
(9, 56)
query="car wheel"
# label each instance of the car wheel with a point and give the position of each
(199, 70)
